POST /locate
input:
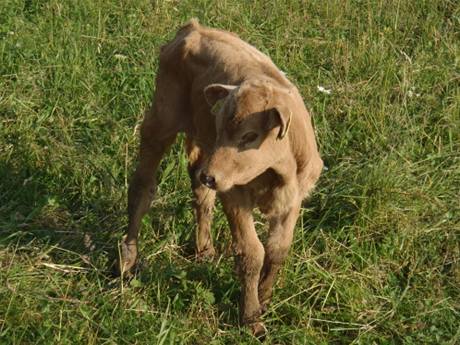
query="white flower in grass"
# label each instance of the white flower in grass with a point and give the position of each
(322, 89)
(411, 93)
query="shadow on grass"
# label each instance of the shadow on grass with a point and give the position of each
(50, 221)
(38, 219)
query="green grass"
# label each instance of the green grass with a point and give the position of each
(376, 253)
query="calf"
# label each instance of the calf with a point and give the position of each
(249, 138)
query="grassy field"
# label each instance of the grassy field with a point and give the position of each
(376, 251)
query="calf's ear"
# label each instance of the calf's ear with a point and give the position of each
(281, 116)
(216, 92)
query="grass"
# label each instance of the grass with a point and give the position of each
(376, 253)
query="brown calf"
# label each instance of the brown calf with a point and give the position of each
(249, 138)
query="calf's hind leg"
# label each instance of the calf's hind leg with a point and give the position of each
(154, 144)
(161, 124)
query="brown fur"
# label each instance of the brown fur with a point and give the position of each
(249, 137)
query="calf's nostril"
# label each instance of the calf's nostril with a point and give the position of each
(208, 181)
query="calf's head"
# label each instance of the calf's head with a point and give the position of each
(252, 122)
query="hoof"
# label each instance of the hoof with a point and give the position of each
(206, 255)
(258, 330)
(264, 303)
(127, 258)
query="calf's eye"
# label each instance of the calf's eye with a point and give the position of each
(249, 137)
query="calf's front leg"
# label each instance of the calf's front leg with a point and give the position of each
(203, 203)
(249, 257)
(277, 247)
